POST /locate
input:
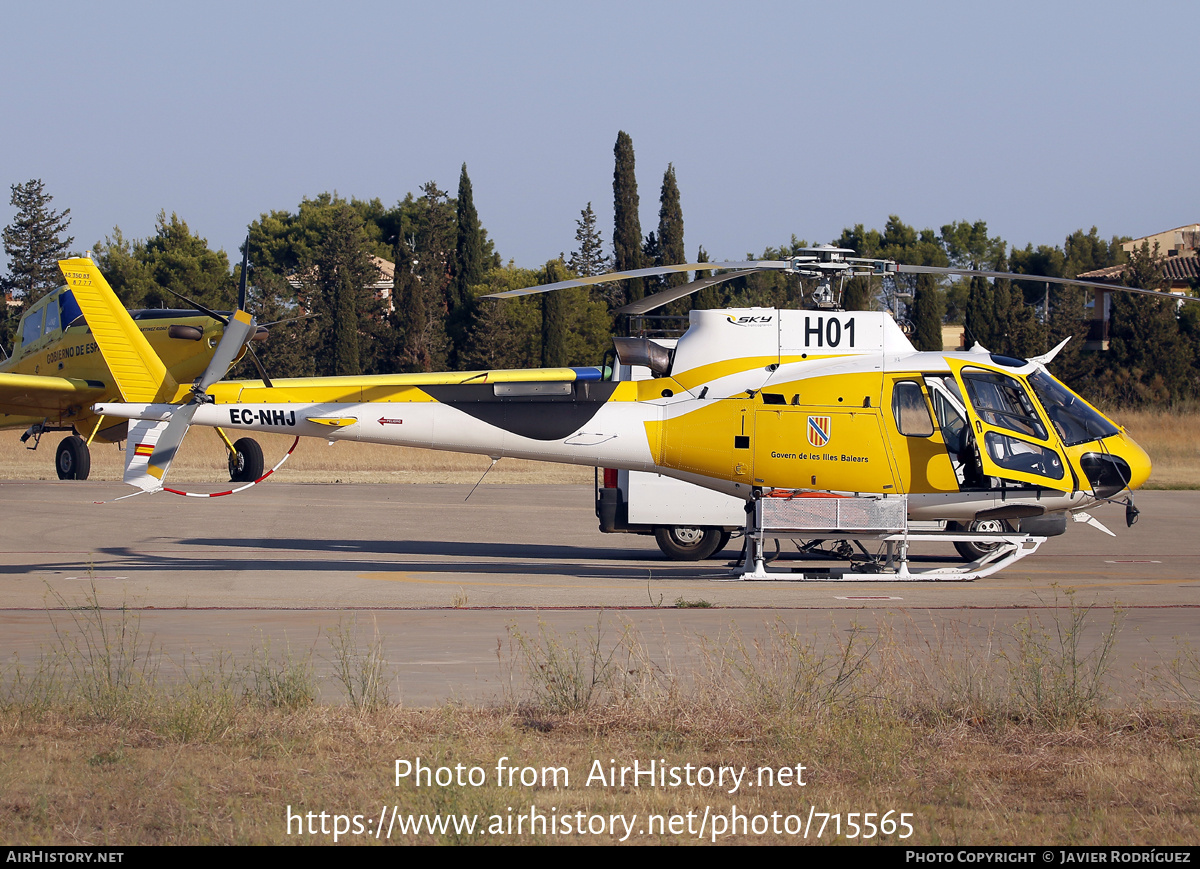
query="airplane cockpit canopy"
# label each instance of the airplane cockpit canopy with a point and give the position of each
(52, 313)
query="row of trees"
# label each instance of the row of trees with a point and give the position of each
(329, 257)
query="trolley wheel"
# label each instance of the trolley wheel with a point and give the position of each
(969, 549)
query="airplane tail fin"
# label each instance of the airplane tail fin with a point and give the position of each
(139, 373)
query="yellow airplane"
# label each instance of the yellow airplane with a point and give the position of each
(820, 404)
(61, 366)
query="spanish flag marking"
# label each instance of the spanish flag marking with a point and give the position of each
(143, 450)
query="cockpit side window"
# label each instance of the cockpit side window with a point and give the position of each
(31, 329)
(52, 321)
(910, 411)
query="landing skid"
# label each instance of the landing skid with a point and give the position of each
(883, 520)
(893, 566)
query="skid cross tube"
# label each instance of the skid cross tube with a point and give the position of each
(889, 517)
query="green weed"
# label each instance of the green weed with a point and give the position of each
(361, 671)
(566, 675)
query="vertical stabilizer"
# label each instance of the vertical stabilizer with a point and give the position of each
(139, 373)
(143, 438)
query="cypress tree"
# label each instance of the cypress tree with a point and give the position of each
(980, 315)
(554, 317)
(34, 242)
(1023, 335)
(709, 297)
(468, 268)
(344, 274)
(670, 228)
(858, 296)
(627, 224)
(927, 315)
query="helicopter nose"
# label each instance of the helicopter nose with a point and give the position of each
(1119, 464)
(1138, 460)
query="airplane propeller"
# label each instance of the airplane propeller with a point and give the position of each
(216, 315)
(240, 330)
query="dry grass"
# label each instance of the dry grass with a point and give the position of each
(203, 459)
(1173, 441)
(72, 782)
(876, 729)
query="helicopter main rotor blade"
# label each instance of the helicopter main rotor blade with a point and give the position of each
(649, 303)
(940, 270)
(641, 273)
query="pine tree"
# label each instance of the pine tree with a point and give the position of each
(421, 289)
(627, 224)
(34, 242)
(1148, 361)
(589, 258)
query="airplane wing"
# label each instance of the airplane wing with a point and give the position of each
(37, 395)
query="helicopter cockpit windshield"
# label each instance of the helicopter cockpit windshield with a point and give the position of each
(1073, 418)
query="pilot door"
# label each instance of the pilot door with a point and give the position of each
(1014, 440)
(922, 454)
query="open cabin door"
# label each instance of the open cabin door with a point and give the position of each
(1014, 439)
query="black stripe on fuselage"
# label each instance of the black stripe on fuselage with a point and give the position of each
(541, 417)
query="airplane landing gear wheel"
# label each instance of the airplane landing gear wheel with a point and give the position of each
(687, 544)
(73, 461)
(969, 549)
(246, 461)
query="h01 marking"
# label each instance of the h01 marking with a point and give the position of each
(828, 331)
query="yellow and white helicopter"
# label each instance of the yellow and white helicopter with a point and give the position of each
(825, 405)
(58, 370)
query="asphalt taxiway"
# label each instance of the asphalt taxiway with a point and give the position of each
(448, 582)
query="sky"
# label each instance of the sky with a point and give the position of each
(781, 118)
